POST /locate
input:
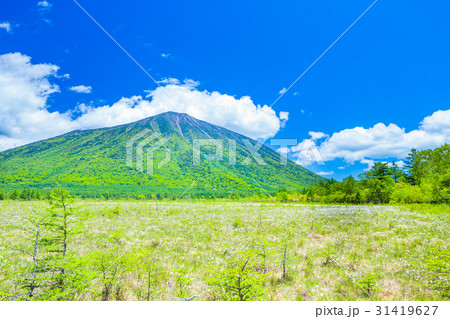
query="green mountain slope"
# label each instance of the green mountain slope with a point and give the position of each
(94, 162)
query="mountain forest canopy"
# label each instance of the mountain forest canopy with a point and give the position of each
(92, 163)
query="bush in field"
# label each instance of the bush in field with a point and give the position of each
(239, 281)
(107, 265)
(113, 212)
(404, 193)
(237, 222)
(150, 274)
(369, 284)
(183, 283)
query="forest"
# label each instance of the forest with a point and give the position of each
(424, 178)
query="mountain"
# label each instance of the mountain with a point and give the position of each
(94, 162)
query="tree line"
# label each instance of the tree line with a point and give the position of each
(424, 178)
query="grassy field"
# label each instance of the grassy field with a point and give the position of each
(194, 250)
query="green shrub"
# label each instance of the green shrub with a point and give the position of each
(239, 281)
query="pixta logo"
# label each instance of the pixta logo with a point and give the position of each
(134, 144)
(249, 151)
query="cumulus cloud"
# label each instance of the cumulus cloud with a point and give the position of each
(307, 153)
(6, 26)
(24, 90)
(26, 87)
(382, 141)
(438, 122)
(81, 89)
(237, 114)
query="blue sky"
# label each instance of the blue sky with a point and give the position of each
(391, 67)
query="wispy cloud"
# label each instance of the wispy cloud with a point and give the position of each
(282, 91)
(166, 55)
(284, 116)
(64, 76)
(6, 26)
(325, 173)
(81, 89)
(172, 81)
(44, 4)
(317, 135)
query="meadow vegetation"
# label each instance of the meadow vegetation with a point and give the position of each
(221, 250)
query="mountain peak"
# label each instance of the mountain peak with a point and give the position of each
(91, 161)
(171, 115)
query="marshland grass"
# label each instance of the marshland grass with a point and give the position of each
(138, 250)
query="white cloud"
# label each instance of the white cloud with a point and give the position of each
(307, 153)
(169, 81)
(191, 83)
(325, 173)
(221, 109)
(64, 76)
(165, 55)
(438, 122)
(317, 135)
(283, 150)
(368, 162)
(44, 4)
(25, 88)
(341, 167)
(81, 89)
(284, 117)
(237, 114)
(383, 141)
(282, 91)
(6, 26)
(400, 164)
